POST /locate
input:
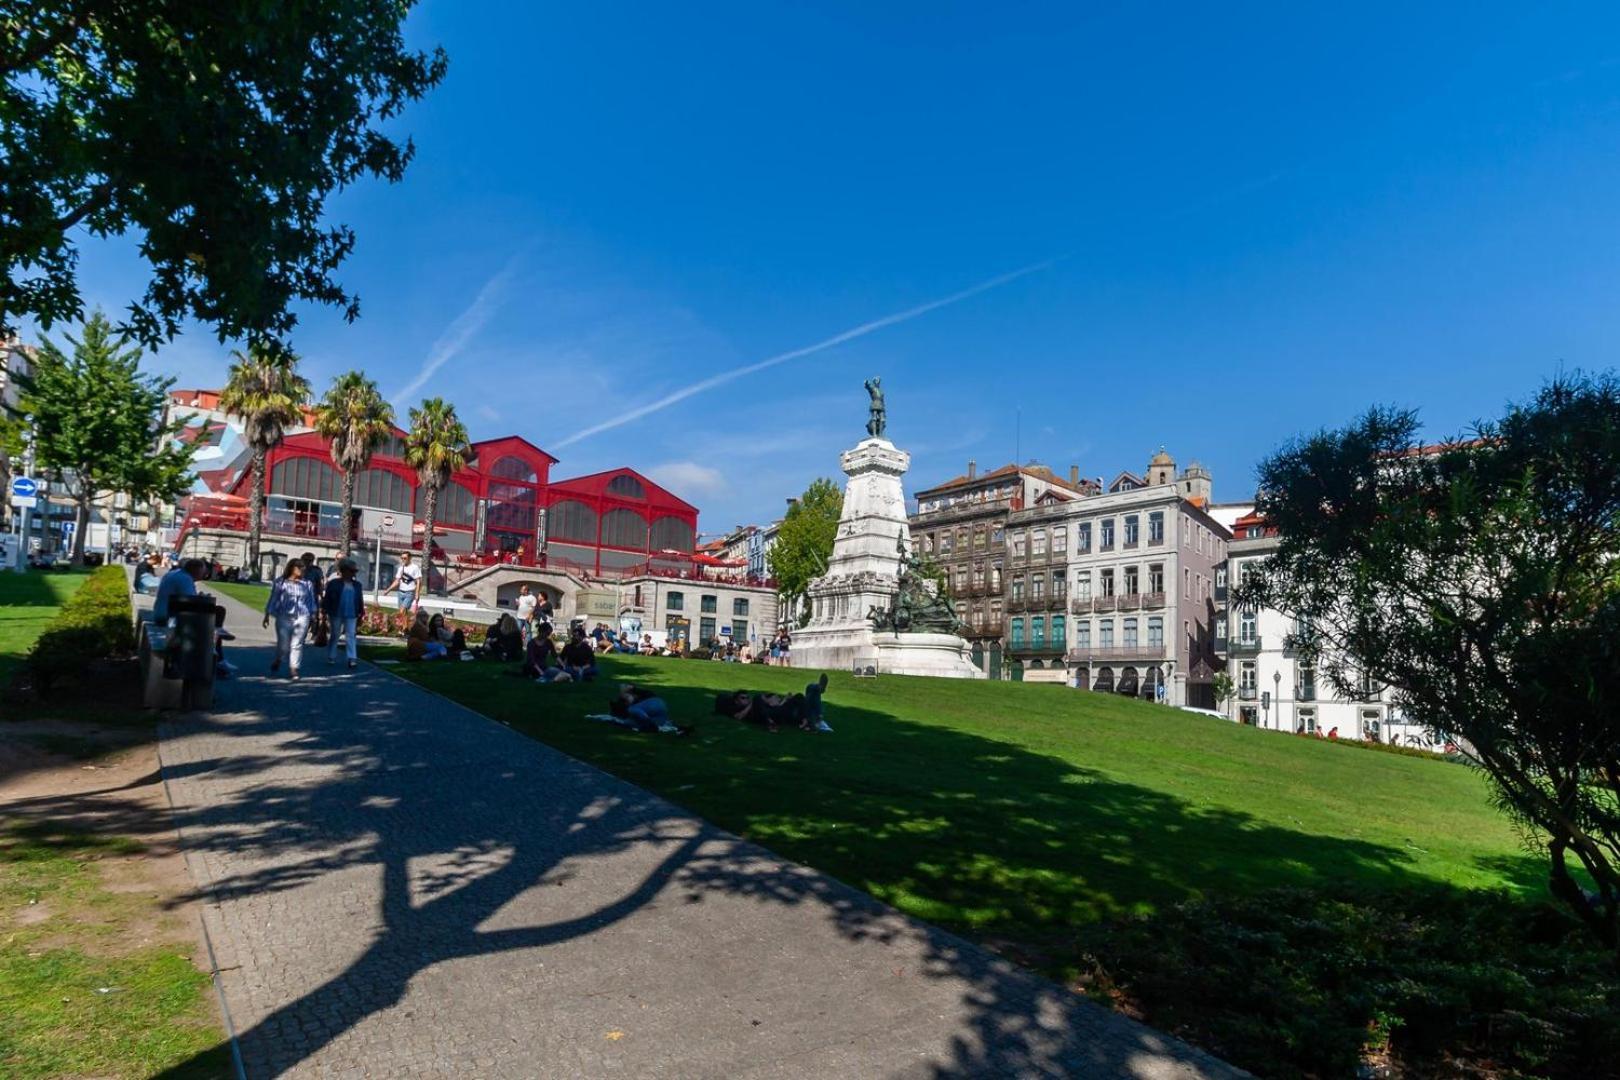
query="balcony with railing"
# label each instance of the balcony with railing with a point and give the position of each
(1305, 692)
(1120, 654)
(1035, 647)
(1248, 693)
(1104, 604)
(1080, 607)
(1153, 600)
(1130, 601)
(1249, 646)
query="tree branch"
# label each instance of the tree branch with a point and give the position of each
(47, 43)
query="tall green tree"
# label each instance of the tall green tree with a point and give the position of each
(98, 424)
(266, 392)
(804, 543)
(355, 419)
(436, 446)
(1478, 580)
(213, 131)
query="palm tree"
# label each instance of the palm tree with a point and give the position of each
(266, 392)
(435, 447)
(355, 419)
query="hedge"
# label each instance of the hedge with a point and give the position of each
(1425, 980)
(95, 623)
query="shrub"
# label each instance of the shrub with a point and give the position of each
(1432, 980)
(95, 623)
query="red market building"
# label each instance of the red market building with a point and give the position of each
(502, 507)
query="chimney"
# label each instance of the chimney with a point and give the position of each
(973, 469)
(1074, 475)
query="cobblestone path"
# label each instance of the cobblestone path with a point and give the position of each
(396, 886)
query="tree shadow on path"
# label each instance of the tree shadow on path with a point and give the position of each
(357, 834)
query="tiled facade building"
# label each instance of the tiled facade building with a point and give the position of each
(1110, 588)
(1116, 592)
(960, 526)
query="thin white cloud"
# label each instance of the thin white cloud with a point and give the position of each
(462, 329)
(793, 354)
(688, 478)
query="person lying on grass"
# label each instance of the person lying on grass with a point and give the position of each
(774, 710)
(540, 661)
(639, 708)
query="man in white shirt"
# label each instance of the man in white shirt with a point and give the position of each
(525, 612)
(406, 581)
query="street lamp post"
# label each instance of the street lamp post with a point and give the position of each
(1276, 697)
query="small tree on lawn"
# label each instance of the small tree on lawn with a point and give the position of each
(1224, 688)
(354, 417)
(98, 424)
(435, 447)
(1481, 581)
(804, 543)
(265, 390)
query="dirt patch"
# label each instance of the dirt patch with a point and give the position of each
(104, 780)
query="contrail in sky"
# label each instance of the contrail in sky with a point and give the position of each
(461, 330)
(793, 354)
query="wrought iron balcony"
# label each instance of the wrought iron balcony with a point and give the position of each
(1130, 601)
(1114, 654)
(1248, 693)
(1245, 647)
(1080, 607)
(1153, 600)
(1103, 603)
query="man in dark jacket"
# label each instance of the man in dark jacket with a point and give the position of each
(344, 603)
(578, 658)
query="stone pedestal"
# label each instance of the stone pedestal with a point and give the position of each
(863, 574)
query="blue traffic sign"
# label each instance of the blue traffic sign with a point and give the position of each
(24, 487)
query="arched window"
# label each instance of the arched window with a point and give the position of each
(673, 533)
(307, 478)
(625, 529)
(626, 486)
(457, 505)
(382, 490)
(571, 520)
(1128, 681)
(514, 468)
(1105, 679)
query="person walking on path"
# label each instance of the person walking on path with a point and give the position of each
(406, 581)
(292, 604)
(526, 603)
(344, 604)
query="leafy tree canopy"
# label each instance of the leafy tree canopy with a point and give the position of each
(216, 131)
(805, 541)
(1479, 580)
(98, 422)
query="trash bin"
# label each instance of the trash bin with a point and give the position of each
(192, 649)
(158, 689)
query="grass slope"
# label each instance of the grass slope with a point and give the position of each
(28, 602)
(253, 596)
(1015, 812)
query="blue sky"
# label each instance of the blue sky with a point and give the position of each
(1248, 221)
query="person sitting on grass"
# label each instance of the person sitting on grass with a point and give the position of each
(578, 658)
(540, 661)
(505, 639)
(454, 641)
(644, 711)
(773, 710)
(419, 643)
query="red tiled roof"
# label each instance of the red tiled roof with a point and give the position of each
(1039, 472)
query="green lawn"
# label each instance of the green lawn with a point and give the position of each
(28, 602)
(1014, 811)
(80, 994)
(253, 596)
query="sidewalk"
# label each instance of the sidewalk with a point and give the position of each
(398, 886)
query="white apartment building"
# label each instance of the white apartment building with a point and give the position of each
(1274, 689)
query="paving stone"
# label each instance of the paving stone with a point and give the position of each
(382, 868)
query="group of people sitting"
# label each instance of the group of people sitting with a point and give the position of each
(642, 710)
(544, 662)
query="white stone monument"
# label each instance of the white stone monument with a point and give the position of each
(863, 574)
